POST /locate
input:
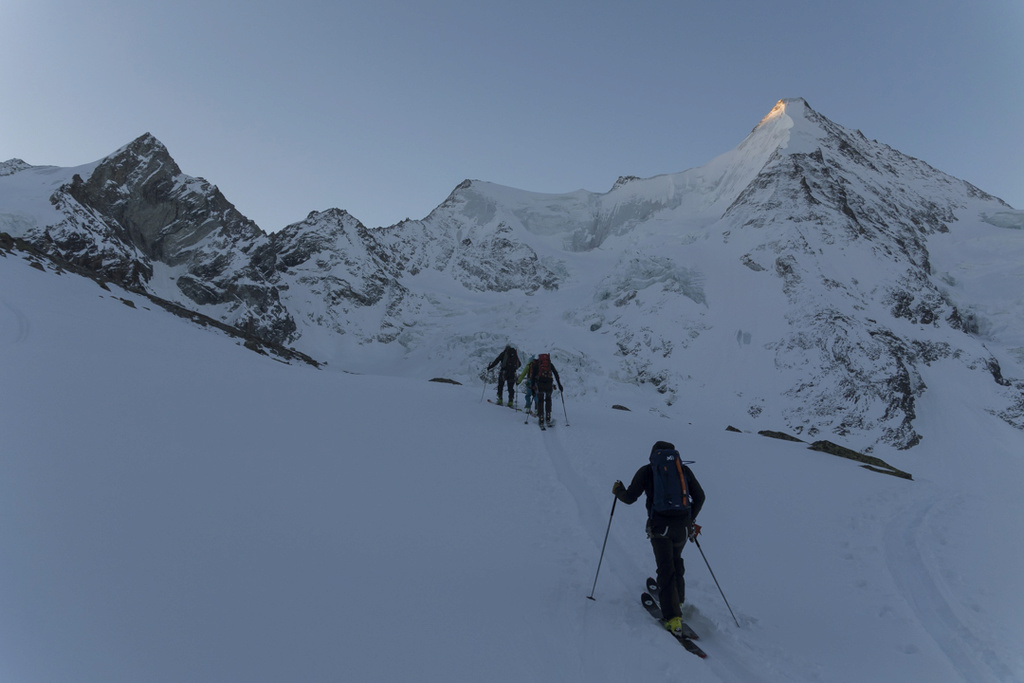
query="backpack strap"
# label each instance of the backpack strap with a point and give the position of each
(682, 480)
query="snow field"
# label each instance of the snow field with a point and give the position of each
(176, 507)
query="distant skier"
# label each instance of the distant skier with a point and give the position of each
(507, 362)
(674, 499)
(525, 373)
(543, 375)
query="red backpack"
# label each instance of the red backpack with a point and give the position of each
(543, 366)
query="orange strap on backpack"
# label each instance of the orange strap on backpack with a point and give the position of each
(682, 480)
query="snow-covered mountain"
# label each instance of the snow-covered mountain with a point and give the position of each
(851, 271)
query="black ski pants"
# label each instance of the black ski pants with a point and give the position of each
(668, 555)
(542, 391)
(508, 379)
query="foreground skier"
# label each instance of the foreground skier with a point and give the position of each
(674, 499)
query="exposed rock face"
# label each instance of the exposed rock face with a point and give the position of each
(154, 206)
(136, 209)
(85, 238)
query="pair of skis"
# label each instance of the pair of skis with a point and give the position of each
(687, 636)
(506, 405)
(544, 424)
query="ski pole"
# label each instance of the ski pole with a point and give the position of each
(591, 596)
(484, 389)
(697, 543)
(562, 394)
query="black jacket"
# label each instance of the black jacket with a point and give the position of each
(643, 482)
(509, 361)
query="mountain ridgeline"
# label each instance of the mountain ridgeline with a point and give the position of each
(809, 276)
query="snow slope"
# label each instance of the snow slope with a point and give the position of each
(177, 508)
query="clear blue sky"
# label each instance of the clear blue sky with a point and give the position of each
(382, 107)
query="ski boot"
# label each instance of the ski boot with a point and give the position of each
(675, 626)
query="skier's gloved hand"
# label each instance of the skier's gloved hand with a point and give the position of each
(560, 386)
(618, 488)
(694, 531)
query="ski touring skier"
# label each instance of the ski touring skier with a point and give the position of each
(674, 499)
(525, 374)
(544, 376)
(507, 363)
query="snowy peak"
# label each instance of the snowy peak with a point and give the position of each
(12, 166)
(140, 151)
(790, 127)
(583, 221)
(164, 212)
(791, 108)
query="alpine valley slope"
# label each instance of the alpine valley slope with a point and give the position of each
(806, 280)
(177, 508)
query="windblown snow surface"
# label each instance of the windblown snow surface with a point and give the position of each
(174, 507)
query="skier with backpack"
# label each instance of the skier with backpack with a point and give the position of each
(674, 499)
(508, 360)
(543, 376)
(525, 374)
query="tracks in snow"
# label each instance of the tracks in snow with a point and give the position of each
(22, 325)
(730, 658)
(925, 595)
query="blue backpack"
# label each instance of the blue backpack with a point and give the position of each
(671, 496)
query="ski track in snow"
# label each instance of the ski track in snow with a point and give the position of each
(22, 325)
(910, 571)
(730, 659)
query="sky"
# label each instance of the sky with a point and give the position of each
(383, 107)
